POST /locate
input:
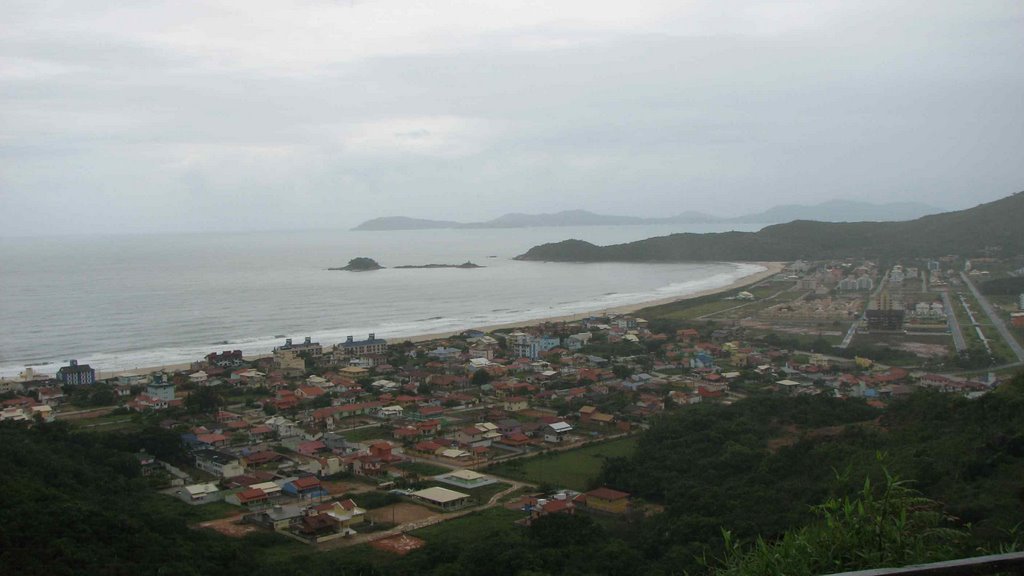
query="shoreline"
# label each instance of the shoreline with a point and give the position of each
(771, 269)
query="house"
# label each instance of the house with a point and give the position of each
(226, 359)
(50, 395)
(516, 404)
(606, 500)
(468, 479)
(306, 487)
(311, 447)
(289, 362)
(76, 375)
(309, 392)
(196, 492)
(445, 353)
(556, 432)
(428, 447)
(160, 387)
(252, 498)
(278, 518)
(442, 498)
(477, 435)
(218, 463)
(346, 512)
(308, 348)
(577, 341)
(586, 412)
(390, 412)
(211, 440)
(352, 347)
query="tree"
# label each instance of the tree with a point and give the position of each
(887, 525)
(203, 400)
(622, 371)
(480, 377)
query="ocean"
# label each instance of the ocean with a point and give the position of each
(121, 302)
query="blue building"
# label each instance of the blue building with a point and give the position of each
(76, 375)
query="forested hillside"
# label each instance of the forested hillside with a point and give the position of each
(966, 232)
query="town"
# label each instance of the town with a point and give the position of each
(366, 440)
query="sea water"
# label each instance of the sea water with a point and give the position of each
(121, 302)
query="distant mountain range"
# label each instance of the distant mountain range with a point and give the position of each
(992, 226)
(831, 211)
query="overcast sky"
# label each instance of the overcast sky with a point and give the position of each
(183, 116)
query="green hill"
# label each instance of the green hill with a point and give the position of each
(965, 232)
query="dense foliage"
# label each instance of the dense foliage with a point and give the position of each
(892, 525)
(1010, 286)
(966, 232)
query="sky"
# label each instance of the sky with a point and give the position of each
(184, 116)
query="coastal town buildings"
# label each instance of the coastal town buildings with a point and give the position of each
(75, 374)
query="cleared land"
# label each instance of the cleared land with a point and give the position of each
(469, 528)
(400, 513)
(573, 469)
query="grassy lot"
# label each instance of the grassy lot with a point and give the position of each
(424, 469)
(481, 494)
(110, 423)
(693, 307)
(573, 469)
(364, 434)
(169, 505)
(470, 528)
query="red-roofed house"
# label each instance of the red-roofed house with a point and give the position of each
(607, 500)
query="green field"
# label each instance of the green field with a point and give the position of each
(363, 434)
(468, 529)
(423, 469)
(573, 469)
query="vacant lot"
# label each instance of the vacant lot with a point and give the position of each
(400, 513)
(573, 469)
(231, 526)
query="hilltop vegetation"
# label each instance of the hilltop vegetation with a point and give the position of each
(995, 225)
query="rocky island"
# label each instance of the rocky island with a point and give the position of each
(360, 264)
(463, 265)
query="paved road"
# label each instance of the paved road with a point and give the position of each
(954, 324)
(850, 333)
(996, 319)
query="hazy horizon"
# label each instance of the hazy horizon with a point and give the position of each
(313, 114)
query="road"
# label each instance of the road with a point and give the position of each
(851, 333)
(954, 324)
(996, 319)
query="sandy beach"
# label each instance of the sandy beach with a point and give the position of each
(771, 269)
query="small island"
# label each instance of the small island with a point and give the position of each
(463, 265)
(360, 264)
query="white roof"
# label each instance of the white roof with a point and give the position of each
(196, 489)
(439, 495)
(267, 486)
(454, 453)
(788, 383)
(560, 426)
(467, 475)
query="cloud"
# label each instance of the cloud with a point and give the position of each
(305, 112)
(437, 136)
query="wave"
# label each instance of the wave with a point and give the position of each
(391, 320)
